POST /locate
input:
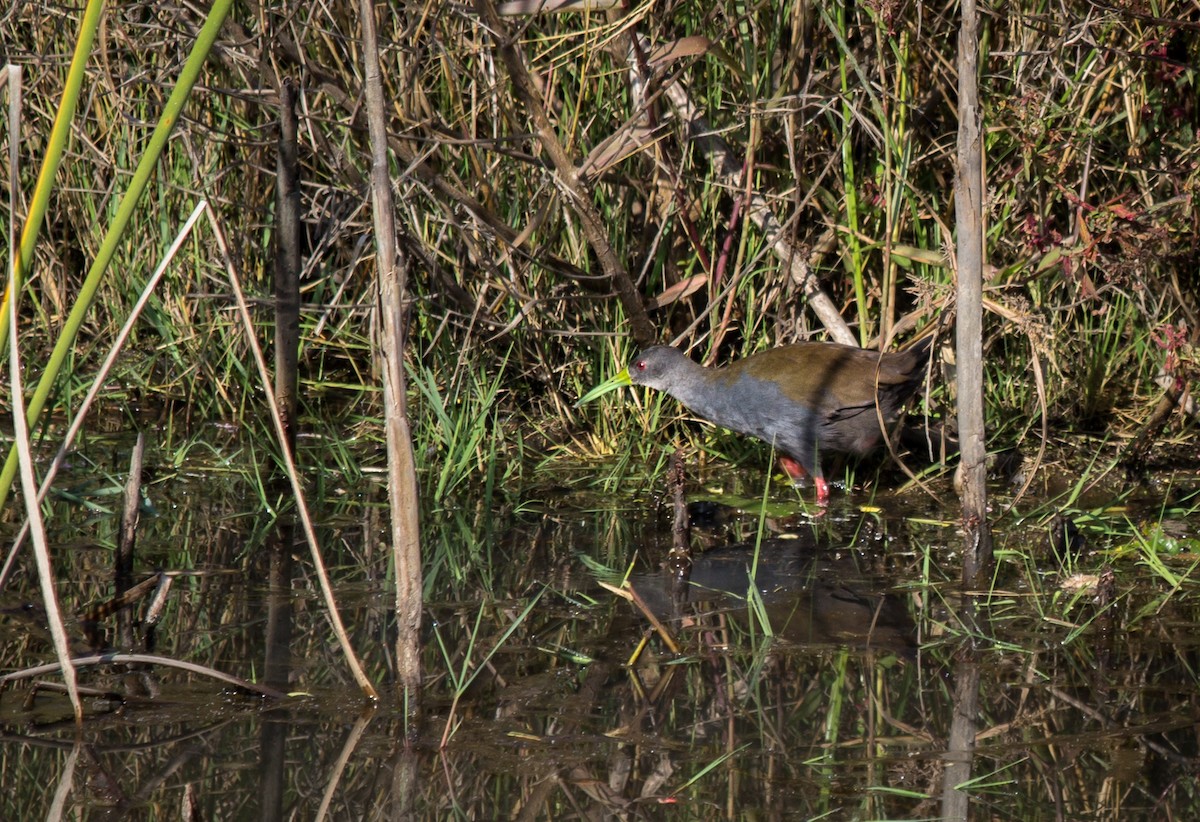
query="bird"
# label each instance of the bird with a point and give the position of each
(806, 400)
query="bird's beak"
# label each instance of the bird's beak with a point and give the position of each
(612, 383)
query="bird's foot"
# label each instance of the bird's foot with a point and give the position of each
(822, 491)
(797, 473)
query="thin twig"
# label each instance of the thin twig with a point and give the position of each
(289, 463)
(41, 549)
(101, 378)
(144, 659)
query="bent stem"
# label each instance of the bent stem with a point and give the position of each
(289, 464)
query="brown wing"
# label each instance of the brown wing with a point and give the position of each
(825, 376)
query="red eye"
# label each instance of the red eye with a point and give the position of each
(640, 365)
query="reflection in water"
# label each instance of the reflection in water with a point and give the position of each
(571, 706)
(811, 597)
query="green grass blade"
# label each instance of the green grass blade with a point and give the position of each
(141, 176)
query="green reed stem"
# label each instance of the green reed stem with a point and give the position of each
(141, 177)
(55, 148)
(849, 184)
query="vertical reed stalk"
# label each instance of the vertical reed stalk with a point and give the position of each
(849, 185)
(41, 550)
(392, 273)
(127, 540)
(968, 197)
(287, 261)
(55, 149)
(127, 537)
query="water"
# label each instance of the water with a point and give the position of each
(825, 690)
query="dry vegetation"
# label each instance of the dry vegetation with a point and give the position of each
(570, 185)
(566, 180)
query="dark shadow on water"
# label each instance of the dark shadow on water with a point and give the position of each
(811, 595)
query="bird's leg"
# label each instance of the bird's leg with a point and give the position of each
(792, 468)
(796, 473)
(822, 490)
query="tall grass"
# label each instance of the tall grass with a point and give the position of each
(845, 119)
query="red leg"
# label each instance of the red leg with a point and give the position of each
(792, 468)
(796, 472)
(822, 490)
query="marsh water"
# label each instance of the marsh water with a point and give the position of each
(808, 666)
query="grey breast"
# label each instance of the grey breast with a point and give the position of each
(760, 409)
